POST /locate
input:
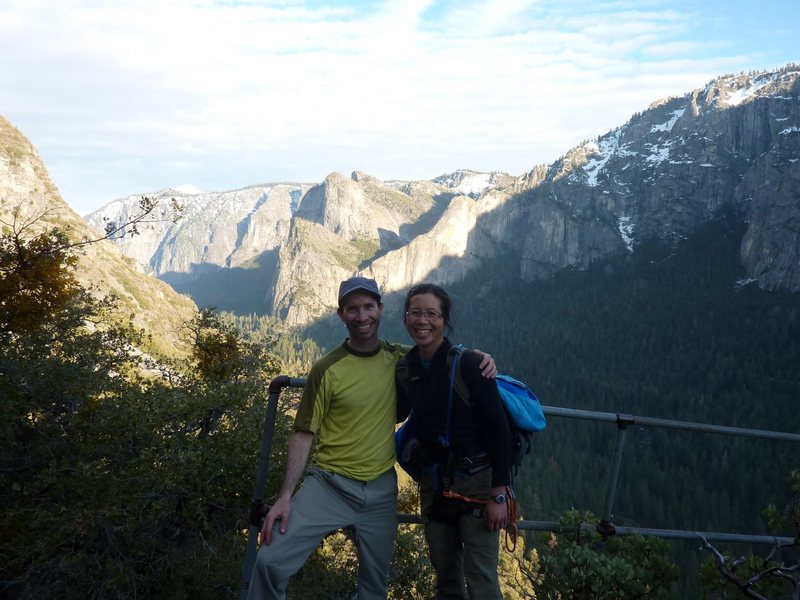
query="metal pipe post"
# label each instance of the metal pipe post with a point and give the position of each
(622, 428)
(275, 387)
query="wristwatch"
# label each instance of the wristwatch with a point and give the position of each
(499, 499)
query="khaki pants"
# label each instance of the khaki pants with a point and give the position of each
(462, 550)
(326, 502)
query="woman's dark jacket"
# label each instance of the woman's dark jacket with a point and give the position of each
(478, 427)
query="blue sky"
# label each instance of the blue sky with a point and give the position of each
(133, 96)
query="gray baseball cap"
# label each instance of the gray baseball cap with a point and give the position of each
(358, 283)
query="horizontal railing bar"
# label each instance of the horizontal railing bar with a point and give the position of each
(556, 527)
(574, 413)
(626, 419)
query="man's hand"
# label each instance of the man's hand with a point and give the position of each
(279, 512)
(299, 448)
(488, 368)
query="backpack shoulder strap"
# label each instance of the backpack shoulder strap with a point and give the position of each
(401, 376)
(453, 366)
(457, 381)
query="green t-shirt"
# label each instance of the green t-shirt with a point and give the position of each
(349, 402)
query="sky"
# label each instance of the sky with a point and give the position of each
(129, 97)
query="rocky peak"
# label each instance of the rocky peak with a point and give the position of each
(339, 205)
(360, 176)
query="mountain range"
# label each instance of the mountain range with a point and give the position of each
(282, 248)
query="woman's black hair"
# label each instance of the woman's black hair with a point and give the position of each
(444, 298)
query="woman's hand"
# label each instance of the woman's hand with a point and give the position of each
(496, 515)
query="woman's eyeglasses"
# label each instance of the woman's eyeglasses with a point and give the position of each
(417, 314)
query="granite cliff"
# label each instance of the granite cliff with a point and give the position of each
(734, 142)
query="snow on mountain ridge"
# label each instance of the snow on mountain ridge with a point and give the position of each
(753, 85)
(467, 182)
(676, 114)
(189, 189)
(606, 147)
(474, 183)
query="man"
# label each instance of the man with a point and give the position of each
(349, 401)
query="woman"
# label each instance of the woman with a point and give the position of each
(465, 471)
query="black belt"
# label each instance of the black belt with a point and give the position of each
(472, 462)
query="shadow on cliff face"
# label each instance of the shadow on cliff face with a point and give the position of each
(242, 290)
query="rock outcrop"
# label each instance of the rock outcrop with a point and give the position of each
(26, 185)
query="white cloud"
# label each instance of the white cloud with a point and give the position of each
(129, 96)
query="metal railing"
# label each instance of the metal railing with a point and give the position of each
(605, 526)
